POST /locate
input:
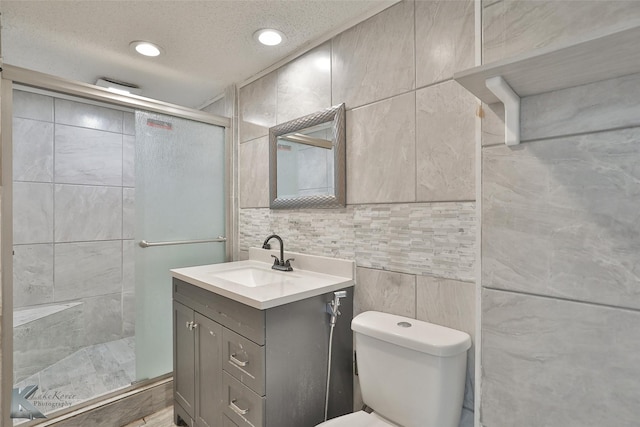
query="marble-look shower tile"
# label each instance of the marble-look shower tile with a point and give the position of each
(103, 318)
(257, 102)
(128, 161)
(304, 84)
(609, 104)
(450, 303)
(46, 340)
(87, 269)
(32, 213)
(129, 123)
(85, 213)
(445, 143)
(32, 274)
(128, 212)
(445, 34)
(385, 291)
(87, 156)
(381, 152)
(88, 116)
(558, 363)
(128, 266)
(32, 106)
(253, 176)
(513, 27)
(128, 314)
(375, 59)
(560, 218)
(32, 150)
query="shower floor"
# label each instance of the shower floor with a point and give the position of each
(83, 375)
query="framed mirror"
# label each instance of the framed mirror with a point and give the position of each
(307, 163)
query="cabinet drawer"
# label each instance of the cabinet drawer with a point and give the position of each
(241, 405)
(226, 422)
(247, 321)
(244, 360)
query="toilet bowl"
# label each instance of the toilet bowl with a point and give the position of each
(412, 373)
(358, 419)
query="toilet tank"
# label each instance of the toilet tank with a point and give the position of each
(411, 372)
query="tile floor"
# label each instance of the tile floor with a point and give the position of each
(163, 418)
(83, 375)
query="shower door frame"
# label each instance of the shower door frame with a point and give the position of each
(24, 77)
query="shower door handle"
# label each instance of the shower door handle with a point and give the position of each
(146, 244)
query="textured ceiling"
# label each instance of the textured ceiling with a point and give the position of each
(208, 44)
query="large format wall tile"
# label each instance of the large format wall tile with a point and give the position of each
(32, 213)
(549, 362)
(381, 165)
(512, 27)
(129, 123)
(32, 106)
(87, 269)
(610, 104)
(32, 150)
(304, 85)
(560, 218)
(32, 274)
(450, 303)
(87, 213)
(253, 174)
(445, 143)
(88, 116)
(445, 34)
(375, 59)
(385, 291)
(128, 161)
(258, 107)
(87, 156)
(128, 212)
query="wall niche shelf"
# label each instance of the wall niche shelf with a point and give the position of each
(602, 56)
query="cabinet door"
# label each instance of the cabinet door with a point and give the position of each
(208, 372)
(183, 357)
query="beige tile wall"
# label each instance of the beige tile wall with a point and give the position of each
(410, 145)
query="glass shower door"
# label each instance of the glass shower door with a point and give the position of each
(179, 197)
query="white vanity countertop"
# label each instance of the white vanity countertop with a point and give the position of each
(307, 279)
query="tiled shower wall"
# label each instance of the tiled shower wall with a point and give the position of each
(561, 234)
(409, 222)
(73, 214)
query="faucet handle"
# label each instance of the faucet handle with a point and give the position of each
(276, 261)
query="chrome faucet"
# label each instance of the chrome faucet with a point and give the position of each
(278, 264)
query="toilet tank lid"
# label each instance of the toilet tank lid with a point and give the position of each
(411, 333)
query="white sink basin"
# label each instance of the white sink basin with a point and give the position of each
(253, 282)
(254, 277)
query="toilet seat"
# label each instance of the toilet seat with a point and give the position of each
(357, 419)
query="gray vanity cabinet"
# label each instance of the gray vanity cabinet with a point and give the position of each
(197, 358)
(238, 366)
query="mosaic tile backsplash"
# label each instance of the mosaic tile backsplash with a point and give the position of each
(434, 239)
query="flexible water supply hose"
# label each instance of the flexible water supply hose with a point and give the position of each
(326, 399)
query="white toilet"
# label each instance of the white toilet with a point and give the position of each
(412, 373)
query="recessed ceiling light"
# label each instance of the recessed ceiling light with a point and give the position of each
(146, 48)
(269, 37)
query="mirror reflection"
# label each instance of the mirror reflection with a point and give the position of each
(307, 161)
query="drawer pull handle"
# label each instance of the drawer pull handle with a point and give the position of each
(235, 408)
(237, 361)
